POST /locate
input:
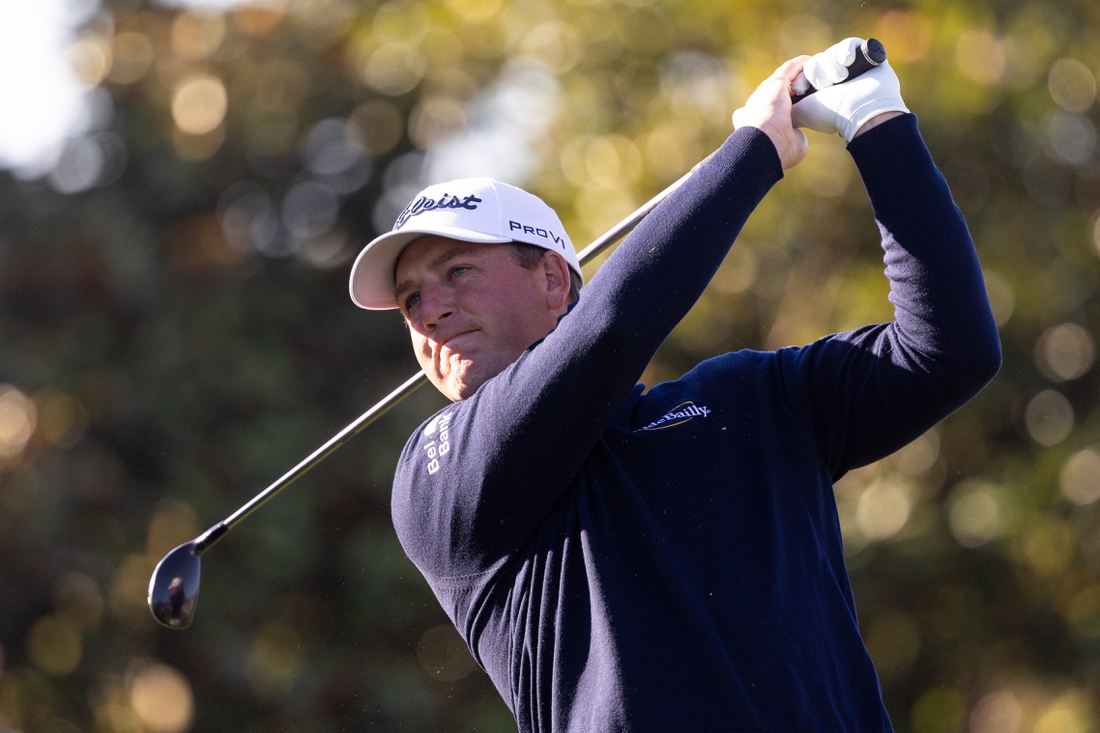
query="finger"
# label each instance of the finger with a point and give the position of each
(788, 70)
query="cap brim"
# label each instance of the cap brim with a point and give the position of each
(372, 275)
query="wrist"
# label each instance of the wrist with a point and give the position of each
(876, 121)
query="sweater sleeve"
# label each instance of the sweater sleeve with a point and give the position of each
(512, 449)
(871, 391)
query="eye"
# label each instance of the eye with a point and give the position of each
(411, 300)
(458, 270)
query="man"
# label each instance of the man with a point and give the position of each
(669, 561)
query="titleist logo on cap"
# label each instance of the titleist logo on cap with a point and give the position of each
(424, 204)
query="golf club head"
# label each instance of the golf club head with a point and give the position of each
(174, 587)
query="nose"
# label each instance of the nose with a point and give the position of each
(436, 304)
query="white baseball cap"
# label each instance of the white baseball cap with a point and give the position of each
(479, 210)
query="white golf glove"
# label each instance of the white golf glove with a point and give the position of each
(844, 106)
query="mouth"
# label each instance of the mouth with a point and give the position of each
(454, 343)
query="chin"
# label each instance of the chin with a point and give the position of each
(456, 393)
(464, 381)
(460, 388)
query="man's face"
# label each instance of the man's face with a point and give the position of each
(472, 310)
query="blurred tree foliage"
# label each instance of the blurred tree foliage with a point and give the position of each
(176, 334)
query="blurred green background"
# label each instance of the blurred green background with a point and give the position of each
(176, 333)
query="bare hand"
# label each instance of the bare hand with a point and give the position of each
(769, 110)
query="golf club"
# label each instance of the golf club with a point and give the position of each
(174, 585)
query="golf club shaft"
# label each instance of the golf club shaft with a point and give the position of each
(212, 535)
(208, 538)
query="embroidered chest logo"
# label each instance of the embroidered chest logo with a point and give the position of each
(677, 416)
(439, 445)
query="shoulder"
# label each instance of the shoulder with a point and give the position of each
(716, 378)
(745, 364)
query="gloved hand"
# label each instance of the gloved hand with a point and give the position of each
(845, 107)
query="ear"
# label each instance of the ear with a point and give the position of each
(555, 271)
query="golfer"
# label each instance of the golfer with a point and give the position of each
(669, 561)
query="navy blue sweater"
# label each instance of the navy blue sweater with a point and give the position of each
(672, 561)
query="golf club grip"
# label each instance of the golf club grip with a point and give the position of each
(871, 53)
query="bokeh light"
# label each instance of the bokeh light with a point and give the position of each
(1080, 477)
(18, 418)
(405, 21)
(883, 510)
(1048, 417)
(920, 455)
(331, 147)
(1071, 85)
(1065, 352)
(174, 522)
(379, 125)
(249, 218)
(1072, 712)
(80, 167)
(800, 32)
(129, 594)
(1083, 612)
(162, 699)
(310, 209)
(199, 104)
(475, 11)
(980, 56)
(555, 44)
(62, 418)
(90, 60)
(1002, 297)
(1071, 137)
(394, 69)
(54, 645)
(670, 149)
(196, 34)
(907, 34)
(997, 712)
(258, 18)
(131, 57)
(975, 513)
(695, 79)
(435, 120)
(608, 161)
(1048, 546)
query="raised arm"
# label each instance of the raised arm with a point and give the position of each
(871, 391)
(514, 447)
